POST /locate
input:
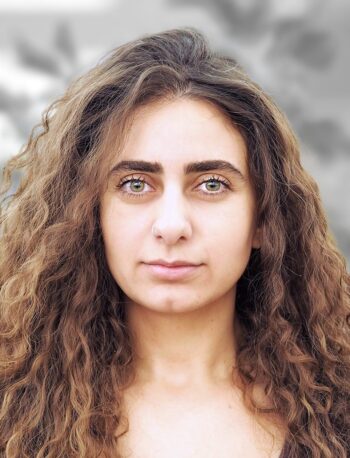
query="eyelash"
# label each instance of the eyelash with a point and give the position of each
(120, 185)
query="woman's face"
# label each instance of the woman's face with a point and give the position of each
(171, 209)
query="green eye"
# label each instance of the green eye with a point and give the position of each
(132, 180)
(138, 182)
(214, 185)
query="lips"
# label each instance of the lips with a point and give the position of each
(177, 263)
(172, 272)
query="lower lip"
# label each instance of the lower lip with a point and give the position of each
(171, 273)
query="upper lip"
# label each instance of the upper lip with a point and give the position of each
(178, 262)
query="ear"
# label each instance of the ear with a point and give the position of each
(256, 242)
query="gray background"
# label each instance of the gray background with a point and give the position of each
(297, 50)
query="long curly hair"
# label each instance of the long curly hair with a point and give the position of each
(65, 347)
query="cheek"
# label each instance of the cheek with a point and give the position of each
(230, 244)
(231, 230)
(120, 235)
(119, 227)
(117, 252)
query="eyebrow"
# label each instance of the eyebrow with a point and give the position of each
(191, 167)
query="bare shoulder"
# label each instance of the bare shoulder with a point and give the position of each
(195, 423)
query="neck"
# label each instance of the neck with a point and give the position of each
(182, 350)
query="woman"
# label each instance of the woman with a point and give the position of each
(163, 155)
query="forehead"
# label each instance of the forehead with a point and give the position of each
(180, 131)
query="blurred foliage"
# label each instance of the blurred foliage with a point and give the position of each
(248, 24)
(289, 52)
(59, 60)
(314, 49)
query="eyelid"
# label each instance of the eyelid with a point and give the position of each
(132, 177)
(142, 177)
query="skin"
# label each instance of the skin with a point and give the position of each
(182, 329)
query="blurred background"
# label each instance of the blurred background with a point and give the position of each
(297, 50)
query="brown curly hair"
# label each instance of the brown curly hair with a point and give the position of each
(65, 349)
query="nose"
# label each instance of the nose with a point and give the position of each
(172, 219)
